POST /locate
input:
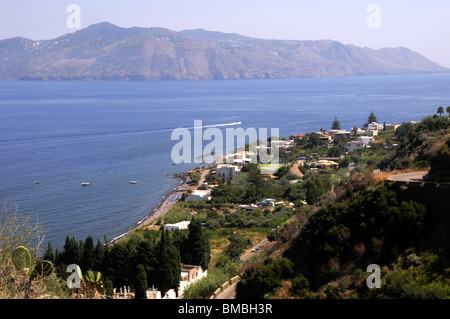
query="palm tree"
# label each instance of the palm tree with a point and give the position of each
(448, 110)
(440, 110)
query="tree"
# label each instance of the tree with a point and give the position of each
(315, 187)
(117, 265)
(88, 255)
(440, 110)
(71, 252)
(372, 118)
(140, 284)
(300, 286)
(448, 110)
(100, 252)
(169, 264)
(49, 255)
(336, 125)
(198, 249)
(195, 177)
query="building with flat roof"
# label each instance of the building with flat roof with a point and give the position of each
(184, 225)
(199, 195)
(227, 171)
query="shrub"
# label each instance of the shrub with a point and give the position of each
(300, 286)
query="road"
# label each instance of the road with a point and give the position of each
(246, 256)
(409, 177)
(230, 292)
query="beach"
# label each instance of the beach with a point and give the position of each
(164, 206)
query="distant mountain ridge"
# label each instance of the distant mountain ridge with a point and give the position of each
(104, 51)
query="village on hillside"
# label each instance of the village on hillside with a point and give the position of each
(202, 181)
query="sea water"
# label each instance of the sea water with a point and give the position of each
(56, 135)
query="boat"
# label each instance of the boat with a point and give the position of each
(85, 184)
(133, 182)
(37, 182)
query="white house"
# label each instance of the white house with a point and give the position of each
(184, 225)
(355, 145)
(366, 140)
(153, 293)
(367, 132)
(227, 172)
(241, 158)
(282, 144)
(375, 126)
(189, 275)
(199, 195)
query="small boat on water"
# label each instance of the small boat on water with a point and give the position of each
(85, 184)
(37, 182)
(133, 182)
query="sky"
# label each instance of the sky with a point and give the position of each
(420, 25)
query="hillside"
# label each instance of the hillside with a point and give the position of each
(107, 52)
(325, 250)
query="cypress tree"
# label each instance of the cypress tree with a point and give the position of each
(146, 255)
(198, 248)
(169, 264)
(99, 256)
(71, 252)
(117, 265)
(49, 255)
(88, 255)
(140, 284)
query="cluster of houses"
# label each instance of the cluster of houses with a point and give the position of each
(365, 136)
(234, 162)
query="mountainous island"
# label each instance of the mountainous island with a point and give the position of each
(107, 52)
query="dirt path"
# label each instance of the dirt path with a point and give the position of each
(295, 170)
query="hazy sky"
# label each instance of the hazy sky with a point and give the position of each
(420, 25)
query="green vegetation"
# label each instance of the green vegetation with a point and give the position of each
(415, 142)
(325, 226)
(195, 177)
(439, 162)
(205, 287)
(336, 125)
(366, 222)
(260, 279)
(141, 283)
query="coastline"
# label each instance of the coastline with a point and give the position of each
(164, 207)
(161, 208)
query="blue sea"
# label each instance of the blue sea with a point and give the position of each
(110, 133)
